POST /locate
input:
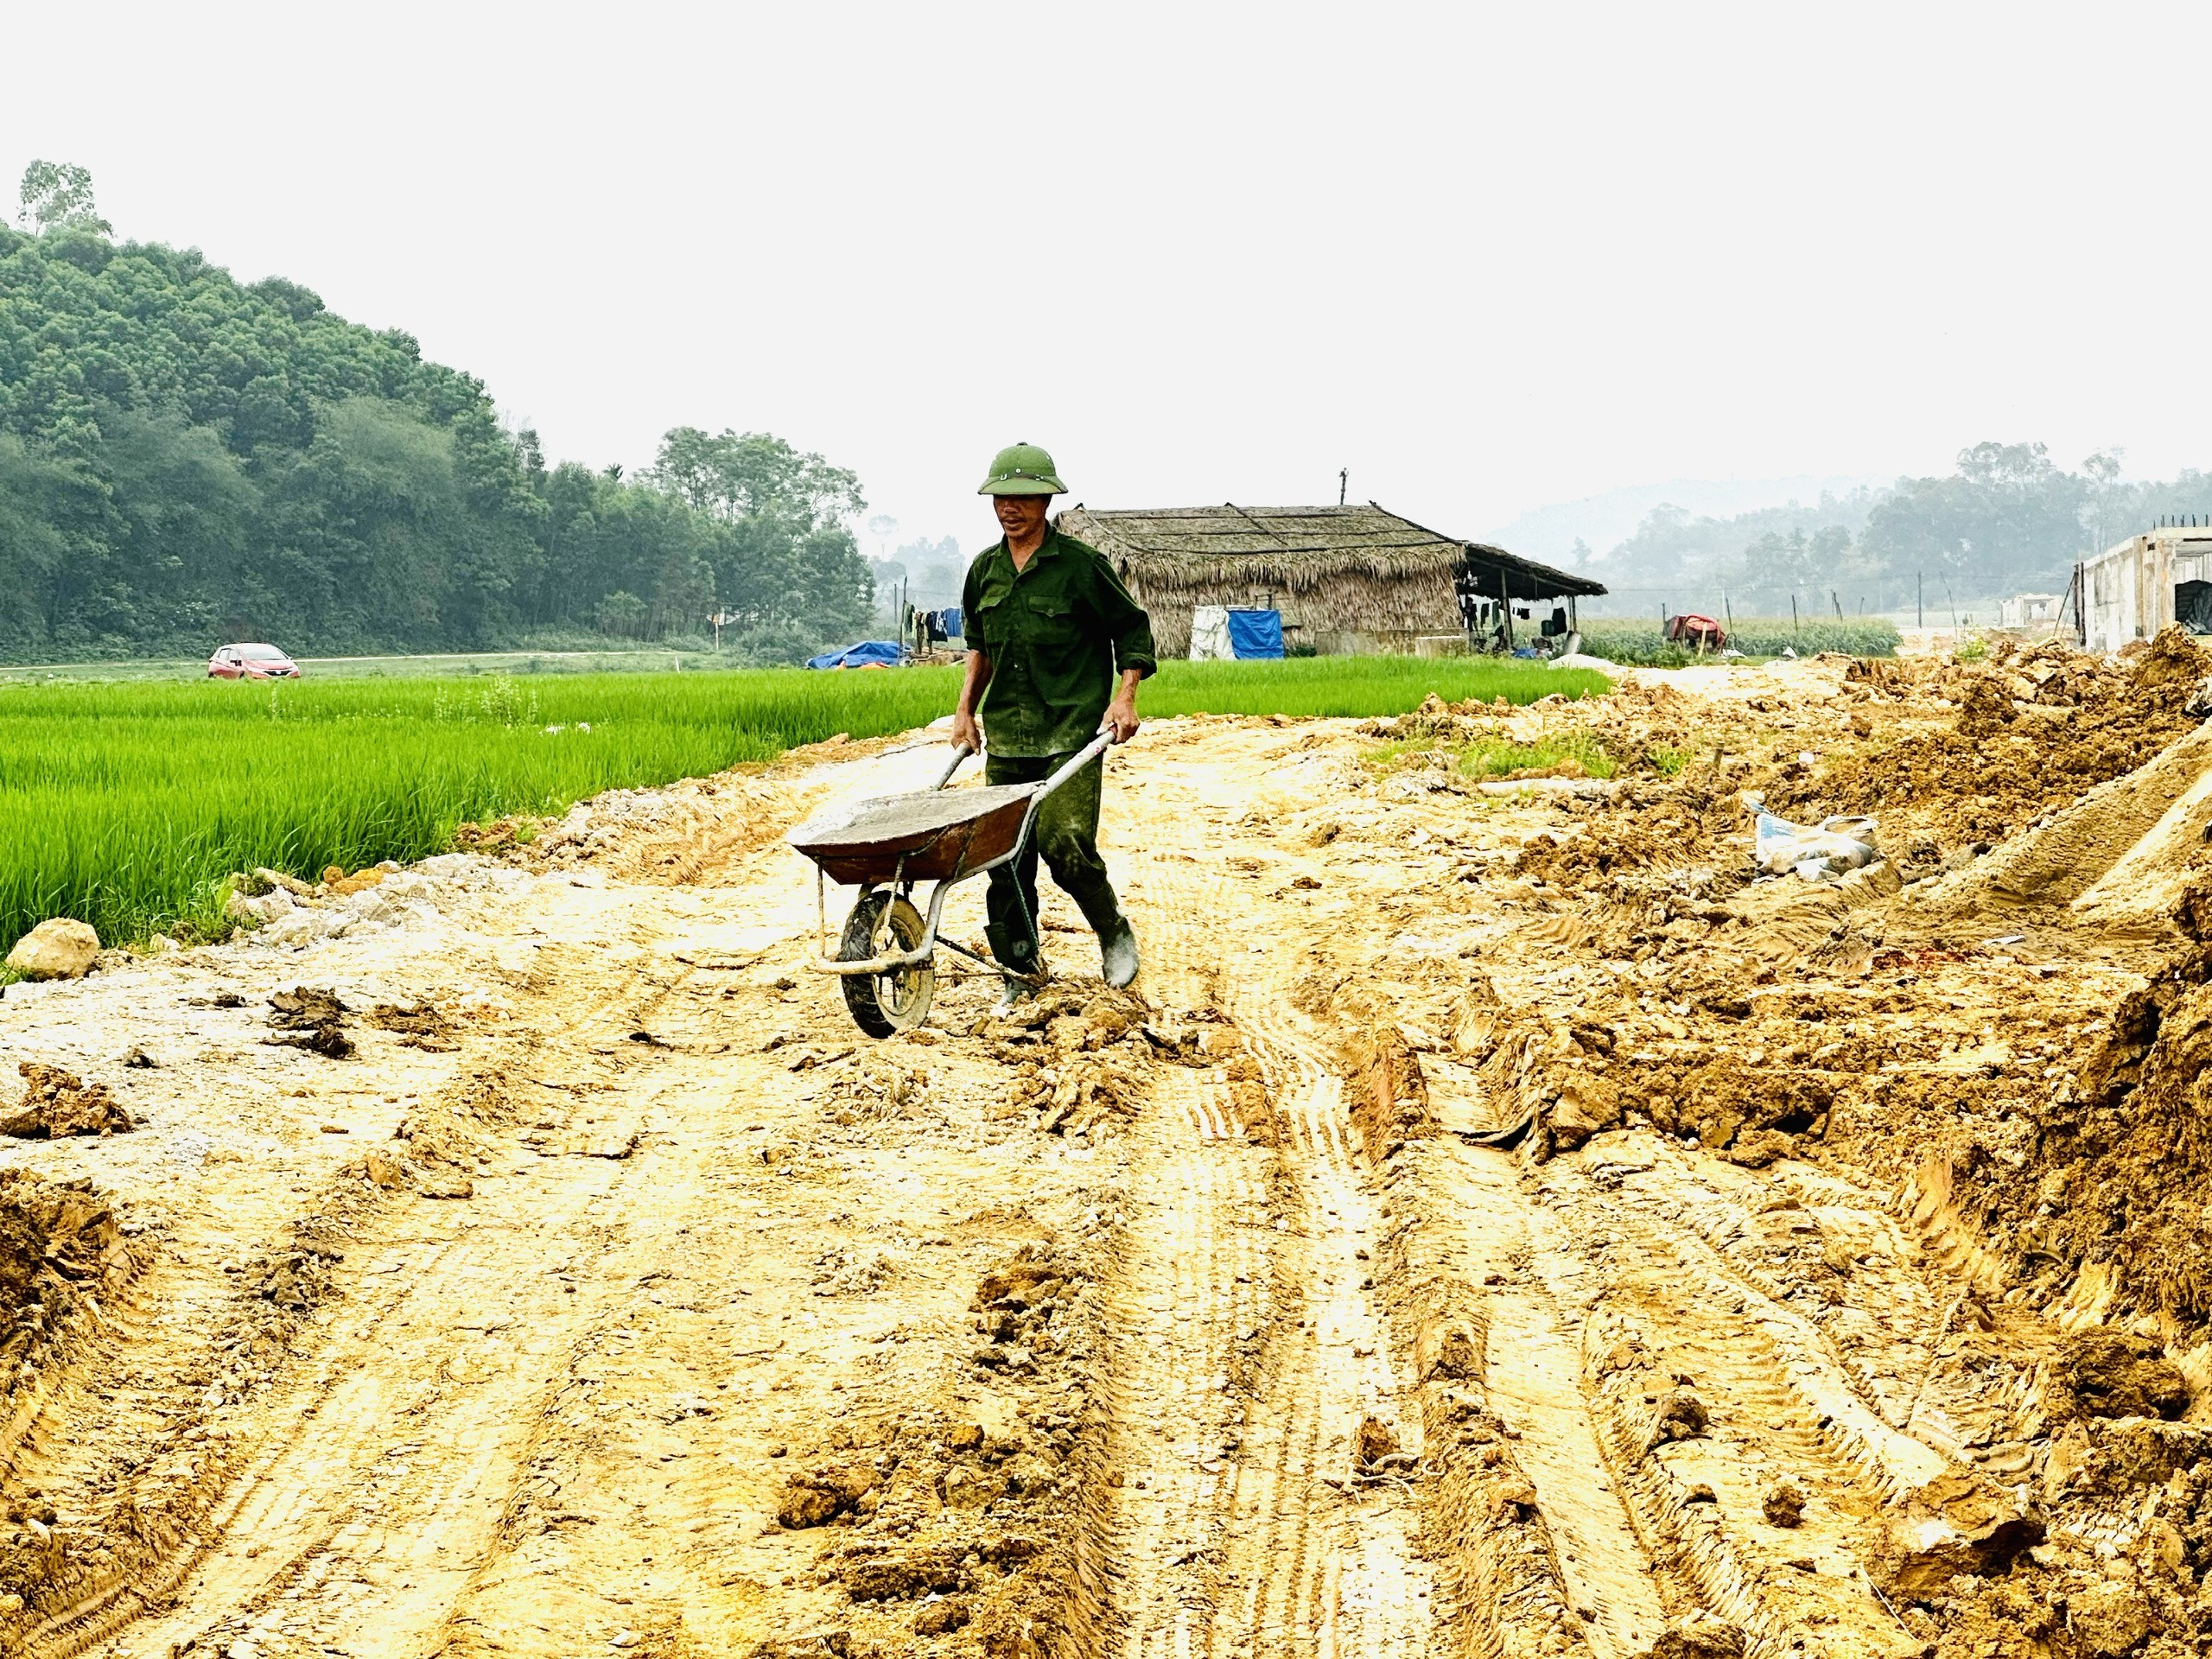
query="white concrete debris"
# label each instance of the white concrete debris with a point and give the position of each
(595, 827)
(261, 908)
(408, 898)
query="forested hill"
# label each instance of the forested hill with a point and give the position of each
(185, 460)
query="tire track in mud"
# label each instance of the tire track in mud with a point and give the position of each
(1195, 1284)
(1622, 1538)
(380, 1497)
(1531, 1367)
(321, 1525)
(1795, 1372)
(331, 1521)
(1254, 1280)
(1585, 1321)
(1383, 1588)
(1546, 1277)
(1664, 1305)
(1881, 1342)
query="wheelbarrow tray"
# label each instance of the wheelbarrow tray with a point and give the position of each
(939, 832)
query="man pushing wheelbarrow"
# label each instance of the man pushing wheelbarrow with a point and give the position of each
(1055, 648)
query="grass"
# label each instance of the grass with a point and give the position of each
(126, 804)
(1642, 645)
(1572, 754)
(1354, 685)
(1562, 756)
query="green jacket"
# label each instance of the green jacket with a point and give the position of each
(1058, 633)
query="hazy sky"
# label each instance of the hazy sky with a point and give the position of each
(1486, 257)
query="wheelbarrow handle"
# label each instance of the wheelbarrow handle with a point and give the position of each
(960, 752)
(1077, 762)
(1074, 763)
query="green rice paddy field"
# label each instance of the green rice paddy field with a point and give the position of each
(126, 804)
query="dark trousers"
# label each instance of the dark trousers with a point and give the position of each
(1067, 835)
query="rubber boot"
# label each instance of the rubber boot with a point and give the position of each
(1117, 953)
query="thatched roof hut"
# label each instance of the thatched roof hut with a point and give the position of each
(1346, 579)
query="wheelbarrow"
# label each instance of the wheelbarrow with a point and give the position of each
(884, 845)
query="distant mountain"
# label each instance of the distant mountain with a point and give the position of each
(2006, 520)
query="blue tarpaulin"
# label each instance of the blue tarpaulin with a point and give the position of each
(1254, 634)
(869, 653)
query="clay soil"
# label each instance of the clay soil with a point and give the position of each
(1496, 1224)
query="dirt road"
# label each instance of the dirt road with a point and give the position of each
(615, 1295)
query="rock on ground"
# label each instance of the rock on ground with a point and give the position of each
(60, 949)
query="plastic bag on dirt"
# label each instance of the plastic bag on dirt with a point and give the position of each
(1829, 849)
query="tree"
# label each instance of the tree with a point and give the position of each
(2102, 470)
(54, 521)
(372, 532)
(184, 459)
(185, 513)
(790, 561)
(1828, 547)
(1999, 466)
(1774, 568)
(58, 195)
(623, 614)
(756, 475)
(2005, 519)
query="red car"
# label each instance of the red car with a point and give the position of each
(252, 662)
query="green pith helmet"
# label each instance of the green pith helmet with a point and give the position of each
(1022, 469)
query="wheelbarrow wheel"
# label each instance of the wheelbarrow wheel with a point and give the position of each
(883, 1003)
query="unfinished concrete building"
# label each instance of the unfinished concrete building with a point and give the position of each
(2130, 591)
(2031, 611)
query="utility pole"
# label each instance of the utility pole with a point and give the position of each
(1919, 601)
(1794, 633)
(1343, 483)
(1836, 602)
